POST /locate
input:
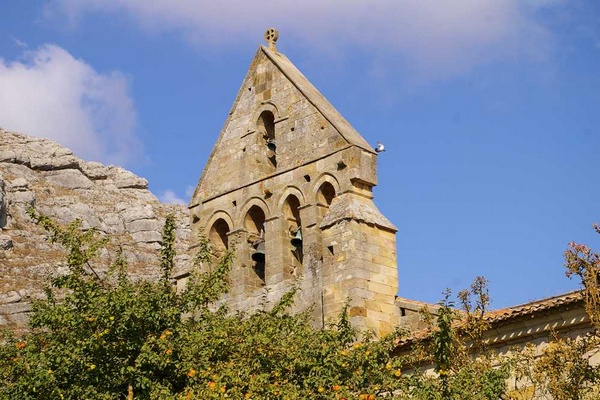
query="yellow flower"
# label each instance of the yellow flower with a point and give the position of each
(92, 367)
(111, 318)
(320, 389)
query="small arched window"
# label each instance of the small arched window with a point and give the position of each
(266, 125)
(218, 235)
(326, 194)
(254, 222)
(266, 129)
(291, 212)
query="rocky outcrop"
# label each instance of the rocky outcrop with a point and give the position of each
(40, 173)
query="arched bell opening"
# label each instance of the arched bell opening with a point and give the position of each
(325, 194)
(266, 129)
(293, 241)
(218, 236)
(324, 197)
(254, 222)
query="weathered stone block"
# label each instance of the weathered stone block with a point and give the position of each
(68, 178)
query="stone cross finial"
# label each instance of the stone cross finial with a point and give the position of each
(271, 36)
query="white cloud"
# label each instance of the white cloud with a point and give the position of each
(436, 39)
(189, 191)
(54, 95)
(170, 197)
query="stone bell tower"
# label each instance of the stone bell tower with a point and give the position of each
(288, 187)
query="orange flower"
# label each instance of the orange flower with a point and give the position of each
(169, 351)
(211, 385)
(191, 372)
(336, 388)
(20, 345)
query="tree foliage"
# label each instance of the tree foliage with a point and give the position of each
(106, 336)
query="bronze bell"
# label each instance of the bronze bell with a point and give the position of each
(297, 239)
(259, 252)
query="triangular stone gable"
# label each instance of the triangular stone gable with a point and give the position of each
(287, 188)
(307, 128)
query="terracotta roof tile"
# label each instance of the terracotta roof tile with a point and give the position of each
(508, 313)
(534, 306)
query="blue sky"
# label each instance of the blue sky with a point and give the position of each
(490, 111)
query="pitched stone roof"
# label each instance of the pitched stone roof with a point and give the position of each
(351, 207)
(317, 99)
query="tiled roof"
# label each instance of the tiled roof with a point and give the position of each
(534, 306)
(506, 314)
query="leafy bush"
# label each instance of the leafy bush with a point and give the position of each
(106, 336)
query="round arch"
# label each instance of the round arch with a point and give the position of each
(253, 201)
(290, 190)
(218, 234)
(265, 106)
(318, 183)
(224, 215)
(217, 229)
